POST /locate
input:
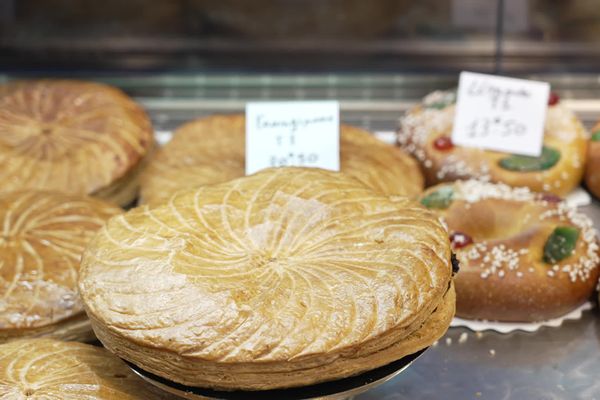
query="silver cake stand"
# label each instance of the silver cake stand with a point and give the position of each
(336, 390)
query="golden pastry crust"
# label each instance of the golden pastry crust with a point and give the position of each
(386, 169)
(592, 172)
(257, 377)
(76, 328)
(433, 120)
(298, 272)
(211, 150)
(503, 275)
(42, 237)
(124, 191)
(70, 136)
(35, 369)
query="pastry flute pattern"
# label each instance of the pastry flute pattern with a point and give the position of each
(286, 269)
(212, 150)
(72, 136)
(42, 237)
(45, 369)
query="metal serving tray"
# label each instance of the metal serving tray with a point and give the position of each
(337, 390)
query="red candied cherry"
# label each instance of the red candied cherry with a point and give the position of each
(460, 240)
(443, 143)
(553, 99)
(551, 198)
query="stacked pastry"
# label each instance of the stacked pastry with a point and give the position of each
(284, 278)
(42, 238)
(212, 150)
(59, 142)
(75, 137)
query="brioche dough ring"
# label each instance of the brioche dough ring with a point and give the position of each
(426, 130)
(523, 256)
(212, 150)
(592, 173)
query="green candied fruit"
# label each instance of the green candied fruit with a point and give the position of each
(438, 105)
(560, 244)
(442, 100)
(596, 136)
(547, 160)
(439, 199)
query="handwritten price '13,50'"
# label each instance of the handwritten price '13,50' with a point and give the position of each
(497, 126)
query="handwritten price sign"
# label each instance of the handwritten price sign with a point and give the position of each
(297, 159)
(282, 134)
(499, 113)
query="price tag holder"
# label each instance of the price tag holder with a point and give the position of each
(294, 133)
(501, 114)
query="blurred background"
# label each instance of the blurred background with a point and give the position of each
(517, 36)
(183, 59)
(378, 55)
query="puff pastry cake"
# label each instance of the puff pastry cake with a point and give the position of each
(42, 369)
(212, 150)
(42, 237)
(72, 136)
(284, 278)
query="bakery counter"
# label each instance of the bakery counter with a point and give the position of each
(552, 363)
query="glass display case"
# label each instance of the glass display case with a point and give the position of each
(182, 59)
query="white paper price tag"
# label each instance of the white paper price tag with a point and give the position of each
(295, 133)
(499, 113)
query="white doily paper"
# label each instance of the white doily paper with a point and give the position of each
(507, 327)
(388, 137)
(163, 137)
(579, 198)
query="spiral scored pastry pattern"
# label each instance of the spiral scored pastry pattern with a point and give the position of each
(42, 237)
(278, 266)
(71, 136)
(211, 150)
(49, 369)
